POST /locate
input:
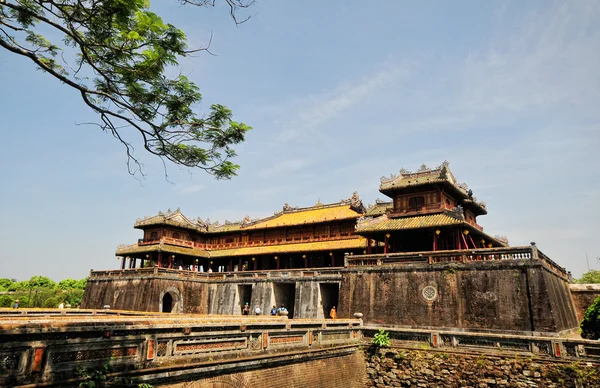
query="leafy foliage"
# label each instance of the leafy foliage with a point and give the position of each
(590, 325)
(592, 276)
(40, 291)
(381, 338)
(117, 55)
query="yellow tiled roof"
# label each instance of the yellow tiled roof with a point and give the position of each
(308, 216)
(358, 242)
(410, 223)
(378, 209)
(386, 224)
(161, 247)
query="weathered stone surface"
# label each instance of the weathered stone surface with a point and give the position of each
(519, 295)
(426, 368)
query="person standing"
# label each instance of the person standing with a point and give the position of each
(61, 306)
(246, 310)
(333, 313)
(257, 310)
(16, 304)
(274, 310)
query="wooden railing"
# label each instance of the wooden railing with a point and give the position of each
(456, 256)
(242, 244)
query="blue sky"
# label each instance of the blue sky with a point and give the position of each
(339, 94)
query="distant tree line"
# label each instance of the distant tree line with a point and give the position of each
(590, 277)
(40, 291)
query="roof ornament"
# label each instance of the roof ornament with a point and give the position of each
(423, 168)
(404, 171)
(246, 220)
(503, 239)
(319, 203)
(168, 210)
(457, 213)
(287, 207)
(470, 194)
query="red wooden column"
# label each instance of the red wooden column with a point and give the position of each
(368, 245)
(255, 263)
(385, 245)
(332, 259)
(123, 262)
(278, 262)
(159, 260)
(305, 261)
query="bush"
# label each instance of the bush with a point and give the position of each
(6, 301)
(590, 326)
(51, 303)
(381, 339)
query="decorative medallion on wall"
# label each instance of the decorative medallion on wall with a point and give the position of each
(429, 293)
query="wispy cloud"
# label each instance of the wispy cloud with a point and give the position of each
(281, 167)
(306, 115)
(188, 188)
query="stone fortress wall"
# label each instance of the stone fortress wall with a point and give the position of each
(517, 294)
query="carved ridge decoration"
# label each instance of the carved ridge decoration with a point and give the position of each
(176, 218)
(438, 173)
(364, 222)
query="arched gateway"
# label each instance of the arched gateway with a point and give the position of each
(171, 301)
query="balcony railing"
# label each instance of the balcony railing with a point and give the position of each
(242, 244)
(456, 256)
(169, 272)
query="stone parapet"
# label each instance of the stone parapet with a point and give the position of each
(47, 349)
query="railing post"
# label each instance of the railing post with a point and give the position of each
(534, 251)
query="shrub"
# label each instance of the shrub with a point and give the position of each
(381, 339)
(590, 326)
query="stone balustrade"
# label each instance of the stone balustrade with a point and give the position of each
(47, 346)
(455, 256)
(321, 273)
(540, 346)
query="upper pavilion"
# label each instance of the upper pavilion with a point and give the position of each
(429, 211)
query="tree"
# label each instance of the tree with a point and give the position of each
(72, 284)
(41, 281)
(5, 284)
(590, 325)
(116, 55)
(591, 276)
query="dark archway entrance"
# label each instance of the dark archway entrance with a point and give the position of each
(167, 303)
(285, 294)
(329, 297)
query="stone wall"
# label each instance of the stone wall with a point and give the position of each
(146, 293)
(507, 295)
(339, 372)
(428, 368)
(583, 296)
(510, 295)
